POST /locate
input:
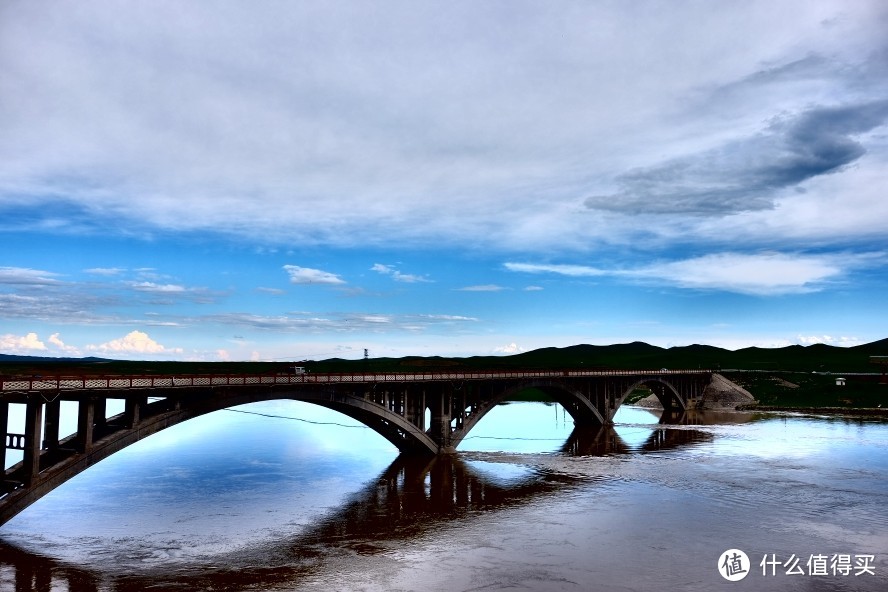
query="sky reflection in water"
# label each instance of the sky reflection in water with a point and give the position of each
(249, 501)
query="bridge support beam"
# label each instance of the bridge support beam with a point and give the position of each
(51, 426)
(4, 428)
(85, 422)
(440, 429)
(33, 427)
(132, 410)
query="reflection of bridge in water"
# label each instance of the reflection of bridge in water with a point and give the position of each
(420, 413)
(413, 496)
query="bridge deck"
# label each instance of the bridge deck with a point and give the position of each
(23, 384)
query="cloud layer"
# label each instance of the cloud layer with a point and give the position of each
(482, 126)
(748, 174)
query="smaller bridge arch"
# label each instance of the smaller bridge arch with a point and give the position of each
(578, 406)
(667, 393)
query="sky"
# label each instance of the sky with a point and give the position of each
(298, 180)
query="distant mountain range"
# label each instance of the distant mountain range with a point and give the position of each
(635, 355)
(11, 358)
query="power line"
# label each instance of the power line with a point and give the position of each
(297, 419)
(367, 427)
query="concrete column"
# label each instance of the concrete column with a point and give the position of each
(440, 406)
(4, 429)
(51, 431)
(85, 423)
(33, 427)
(133, 410)
(410, 413)
(100, 412)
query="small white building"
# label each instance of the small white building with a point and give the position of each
(840, 382)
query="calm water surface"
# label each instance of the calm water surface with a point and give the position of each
(240, 501)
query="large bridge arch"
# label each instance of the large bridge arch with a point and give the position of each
(394, 428)
(578, 405)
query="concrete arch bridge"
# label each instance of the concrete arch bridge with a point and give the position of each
(422, 413)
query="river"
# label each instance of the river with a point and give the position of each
(289, 496)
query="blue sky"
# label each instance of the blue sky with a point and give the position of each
(210, 181)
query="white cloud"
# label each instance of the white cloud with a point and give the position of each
(57, 343)
(23, 276)
(158, 288)
(758, 274)
(829, 340)
(383, 269)
(482, 288)
(533, 288)
(308, 276)
(569, 270)
(397, 275)
(510, 349)
(476, 125)
(21, 344)
(134, 342)
(272, 291)
(105, 271)
(762, 274)
(448, 318)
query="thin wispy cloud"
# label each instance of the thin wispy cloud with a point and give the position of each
(105, 271)
(272, 291)
(22, 276)
(309, 276)
(155, 288)
(397, 275)
(758, 274)
(347, 322)
(482, 288)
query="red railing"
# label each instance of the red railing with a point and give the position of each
(149, 381)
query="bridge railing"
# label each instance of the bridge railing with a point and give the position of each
(148, 381)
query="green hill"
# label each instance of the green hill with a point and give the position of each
(628, 356)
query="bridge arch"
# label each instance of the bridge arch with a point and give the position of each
(580, 408)
(394, 428)
(664, 390)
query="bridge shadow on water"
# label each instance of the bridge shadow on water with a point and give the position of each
(410, 499)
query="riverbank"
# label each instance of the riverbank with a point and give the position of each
(852, 411)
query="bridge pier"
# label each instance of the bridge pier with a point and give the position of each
(33, 427)
(53, 410)
(441, 406)
(86, 412)
(4, 428)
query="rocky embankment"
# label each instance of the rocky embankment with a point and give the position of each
(721, 393)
